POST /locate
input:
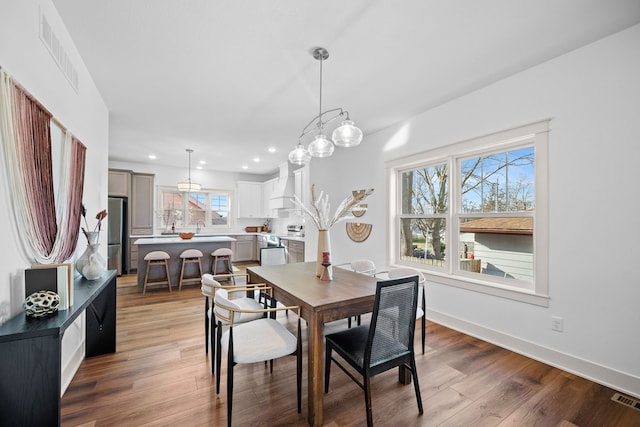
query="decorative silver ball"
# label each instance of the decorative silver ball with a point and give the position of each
(41, 303)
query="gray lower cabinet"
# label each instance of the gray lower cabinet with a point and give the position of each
(295, 250)
(133, 256)
(244, 248)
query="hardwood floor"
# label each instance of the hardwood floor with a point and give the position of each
(161, 376)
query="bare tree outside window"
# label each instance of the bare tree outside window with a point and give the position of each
(497, 183)
(425, 203)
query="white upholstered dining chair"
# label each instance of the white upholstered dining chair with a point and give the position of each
(235, 292)
(263, 339)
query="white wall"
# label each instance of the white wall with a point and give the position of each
(592, 96)
(26, 59)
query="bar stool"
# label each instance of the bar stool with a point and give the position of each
(190, 256)
(221, 255)
(157, 259)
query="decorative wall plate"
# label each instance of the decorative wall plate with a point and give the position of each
(358, 232)
(359, 210)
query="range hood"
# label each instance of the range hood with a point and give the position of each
(283, 190)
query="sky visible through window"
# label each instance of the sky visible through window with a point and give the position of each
(500, 182)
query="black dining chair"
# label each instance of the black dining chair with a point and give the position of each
(421, 311)
(386, 343)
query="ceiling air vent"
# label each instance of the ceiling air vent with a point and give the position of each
(627, 401)
(58, 52)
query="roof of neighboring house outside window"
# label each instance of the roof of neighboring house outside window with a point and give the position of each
(498, 226)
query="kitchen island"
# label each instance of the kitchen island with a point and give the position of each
(174, 247)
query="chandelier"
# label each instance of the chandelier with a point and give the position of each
(188, 185)
(346, 135)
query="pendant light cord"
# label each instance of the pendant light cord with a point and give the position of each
(189, 151)
(320, 124)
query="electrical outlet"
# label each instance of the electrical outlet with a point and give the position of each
(557, 323)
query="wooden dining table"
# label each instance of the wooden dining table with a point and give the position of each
(347, 294)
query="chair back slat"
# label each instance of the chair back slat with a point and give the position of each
(223, 307)
(364, 266)
(393, 320)
(395, 273)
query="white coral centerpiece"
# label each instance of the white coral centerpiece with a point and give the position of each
(319, 215)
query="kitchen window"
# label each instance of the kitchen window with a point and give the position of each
(207, 209)
(474, 214)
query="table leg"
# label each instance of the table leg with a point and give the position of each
(404, 375)
(316, 371)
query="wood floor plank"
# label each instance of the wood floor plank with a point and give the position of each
(161, 376)
(495, 372)
(491, 408)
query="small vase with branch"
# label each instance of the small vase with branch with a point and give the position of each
(90, 264)
(319, 215)
(93, 235)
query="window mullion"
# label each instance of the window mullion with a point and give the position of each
(455, 207)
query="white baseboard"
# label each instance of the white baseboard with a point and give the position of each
(620, 381)
(70, 369)
(73, 351)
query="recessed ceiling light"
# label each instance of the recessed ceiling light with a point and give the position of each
(245, 167)
(199, 167)
(272, 149)
(203, 162)
(152, 156)
(256, 159)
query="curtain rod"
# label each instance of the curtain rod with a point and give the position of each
(34, 99)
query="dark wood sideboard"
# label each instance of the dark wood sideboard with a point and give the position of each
(31, 352)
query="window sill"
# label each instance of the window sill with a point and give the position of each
(515, 294)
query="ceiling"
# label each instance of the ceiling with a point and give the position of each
(229, 79)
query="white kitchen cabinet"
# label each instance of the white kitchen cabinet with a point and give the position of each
(244, 248)
(267, 192)
(250, 199)
(301, 188)
(141, 203)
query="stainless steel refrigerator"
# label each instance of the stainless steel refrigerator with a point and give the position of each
(116, 216)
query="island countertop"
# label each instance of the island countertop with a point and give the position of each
(171, 240)
(174, 246)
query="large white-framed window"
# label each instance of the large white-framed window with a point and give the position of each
(203, 210)
(474, 214)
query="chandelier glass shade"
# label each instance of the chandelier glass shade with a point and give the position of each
(299, 156)
(189, 186)
(320, 147)
(346, 135)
